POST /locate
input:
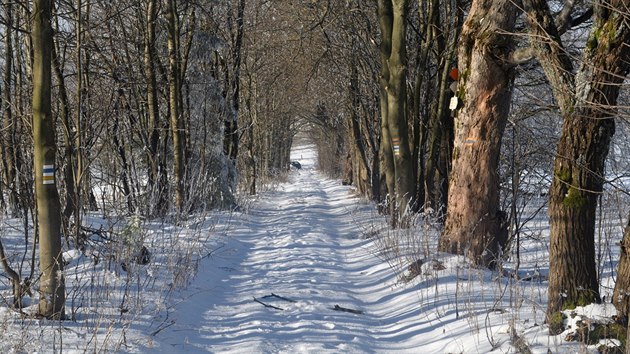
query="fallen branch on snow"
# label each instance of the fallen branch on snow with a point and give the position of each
(344, 309)
(267, 305)
(278, 297)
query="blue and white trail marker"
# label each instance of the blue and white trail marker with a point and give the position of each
(49, 174)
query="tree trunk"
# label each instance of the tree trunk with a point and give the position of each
(474, 223)
(70, 149)
(621, 294)
(177, 123)
(157, 191)
(360, 159)
(252, 109)
(78, 126)
(230, 133)
(587, 102)
(8, 147)
(440, 135)
(440, 148)
(52, 288)
(16, 284)
(402, 143)
(22, 158)
(574, 191)
(386, 19)
(124, 174)
(397, 114)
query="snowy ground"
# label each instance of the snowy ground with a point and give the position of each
(301, 270)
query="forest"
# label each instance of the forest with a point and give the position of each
(125, 121)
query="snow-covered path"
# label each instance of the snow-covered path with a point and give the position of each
(272, 279)
(302, 243)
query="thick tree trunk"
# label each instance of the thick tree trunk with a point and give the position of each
(587, 102)
(52, 288)
(579, 177)
(474, 223)
(574, 191)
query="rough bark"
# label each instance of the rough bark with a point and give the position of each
(51, 287)
(587, 102)
(474, 223)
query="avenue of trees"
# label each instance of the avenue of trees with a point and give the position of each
(456, 81)
(166, 108)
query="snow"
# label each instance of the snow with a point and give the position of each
(273, 279)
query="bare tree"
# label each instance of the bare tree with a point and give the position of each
(231, 139)
(399, 171)
(587, 101)
(177, 122)
(52, 288)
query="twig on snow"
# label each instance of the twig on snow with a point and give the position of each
(278, 297)
(267, 305)
(344, 309)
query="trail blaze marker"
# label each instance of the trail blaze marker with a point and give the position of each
(470, 141)
(48, 174)
(396, 146)
(453, 104)
(454, 74)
